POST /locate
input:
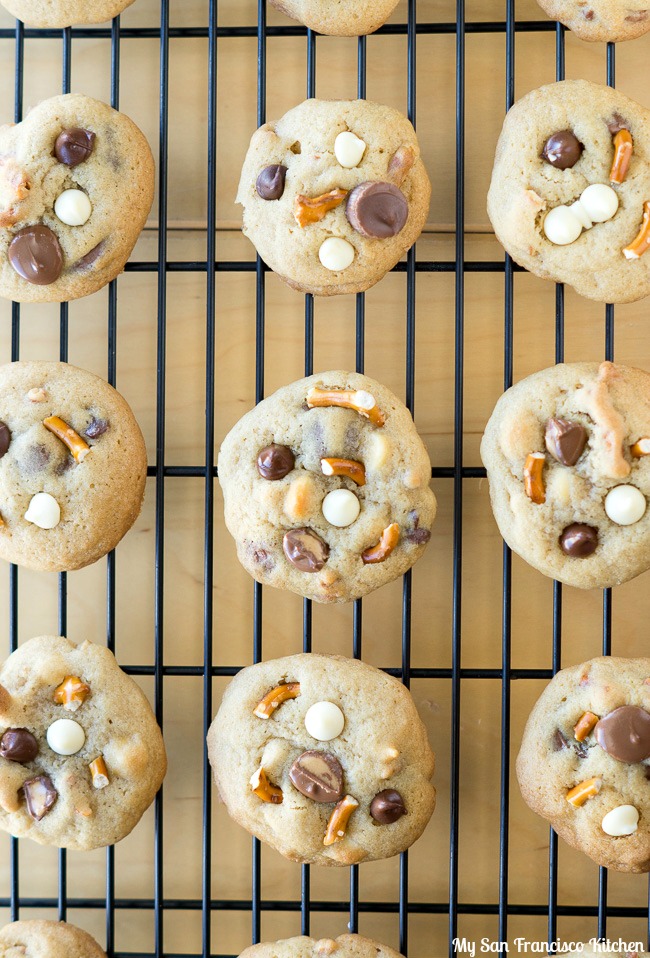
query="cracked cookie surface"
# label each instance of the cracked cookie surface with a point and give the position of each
(345, 946)
(369, 798)
(602, 262)
(66, 798)
(381, 148)
(606, 20)
(570, 741)
(47, 939)
(64, 13)
(280, 464)
(100, 163)
(578, 426)
(346, 18)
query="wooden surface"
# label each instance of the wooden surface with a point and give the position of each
(534, 348)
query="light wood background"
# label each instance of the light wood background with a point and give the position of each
(334, 346)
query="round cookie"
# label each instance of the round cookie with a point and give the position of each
(73, 466)
(344, 18)
(607, 20)
(334, 194)
(47, 939)
(345, 946)
(64, 13)
(76, 187)
(323, 496)
(584, 761)
(570, 191)
(81, 754)
(566, 452)
(324, 758)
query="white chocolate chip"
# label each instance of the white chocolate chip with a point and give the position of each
(378, 451)
(324, 721)
(349, 149)
(564, 224)
(622, 820)
(558, 486)
(37, 394)
(73, 207)
(44, 511)
(336, 254)
(581, 212)
(341, 508)
(600, 202)
(561, 226)
(625, 505)
(65, 737)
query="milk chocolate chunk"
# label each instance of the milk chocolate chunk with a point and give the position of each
(275, 461)
(387, 806)
(565, 440)
(562, 150)
(74, 146)
(270, 182)
(305, 549)
(378, 210)
(18, 745)
(559, 741)
(36, 255)
(579, 540)
(318, 775)
(96, 428)
(90, 257)
(617, 123)
(40, 796)
(5, 438)
(625, 734)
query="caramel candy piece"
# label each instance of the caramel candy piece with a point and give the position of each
(317, 775)
(339, 820)
(565, 440)
(305, 549)
(625, 734)
(273, 699)
(40, 796)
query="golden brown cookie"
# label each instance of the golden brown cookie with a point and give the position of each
(64, 13)
(344, 18)
(606, 20)
(47, 939)
(345, 946)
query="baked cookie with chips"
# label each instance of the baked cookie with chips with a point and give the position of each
(606, 20)
(584, 762)
(567, 453)
(326, 488)
(324, 758)
(64, 13)
(334, 194)
(81, 754)
(346, 18)
(345, 946)
(76, 187)
(570, 191)
(47, 939)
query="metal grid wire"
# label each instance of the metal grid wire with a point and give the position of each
(212, 267)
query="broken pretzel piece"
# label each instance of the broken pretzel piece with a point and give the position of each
(533, 480)
(357, 399)
(640, 448)
(344, 467)
(381, 551)
(273, 699)
(585, 724)
(263, 788)
(400, 165)
(77, 446)
(623, 148)
(339, 819)
(72, 693)
(14, 188)
(99, 773)
(641, 243)
(579, 794)
(311, 209)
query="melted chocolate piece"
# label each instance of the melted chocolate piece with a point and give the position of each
(36, 255)
(565, 440)
(35, 459)
(616, 124)
(559, 741)
(270, 182)
(378, 210)
(562, 150)
(387, 806)
(636, 16)
(18, 745)
(305, 549)
(74, 146)
(90, 257)
(96, 428)
(275, 461)
(318, 775)
(418, 536)
(5, 438)
(40, 796)
(579, 540)
(625, 734)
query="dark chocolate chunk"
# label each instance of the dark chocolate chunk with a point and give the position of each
(565, 440)
(18, 745)
(74, 146)
(418, 536)
(90, 257)
(579, 540)
(5, 438)
(562, 150)
(96, 428)
(275, 461)
(270, 182)
(40, 796)
(35, 459)
(377, 209)
(589, 14)
(305, 549)
(387, 806)
(559, 741)
(625, 734)
(36, 255)
(318, 775)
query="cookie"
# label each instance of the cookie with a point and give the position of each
(567, 453)
(606, 20)
(345, 946)
(81, 754)
(64, 13)
(345, 18)
(584, 762)
(76, 187)
(73, 466)
(570, 191)
(324, 758)
(326, 488)
(47, 939)
(334, 194)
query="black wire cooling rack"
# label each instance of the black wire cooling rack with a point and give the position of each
(459, 266)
